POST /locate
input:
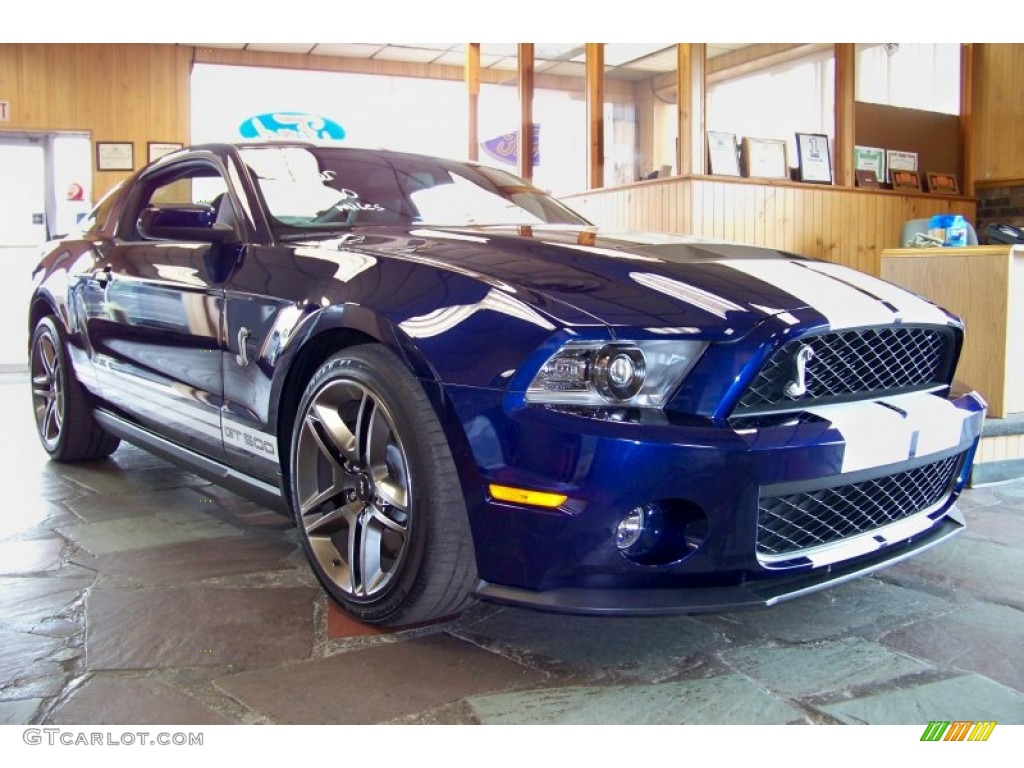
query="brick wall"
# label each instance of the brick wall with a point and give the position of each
(1003, 205)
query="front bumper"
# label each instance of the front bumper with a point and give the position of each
(760, 593)
(566, 559)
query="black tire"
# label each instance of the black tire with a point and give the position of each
(63, 412)
(375, 493)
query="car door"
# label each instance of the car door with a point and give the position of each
(153, 312)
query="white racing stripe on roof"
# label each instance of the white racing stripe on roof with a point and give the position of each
(878, 433)
(912, 308)
(842, 305)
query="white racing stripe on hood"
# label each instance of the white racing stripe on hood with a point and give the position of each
(878, 433)
(843, 305)
(912, 308)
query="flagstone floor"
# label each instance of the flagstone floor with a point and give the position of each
(132, 592)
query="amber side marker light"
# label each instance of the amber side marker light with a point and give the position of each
(523, 496)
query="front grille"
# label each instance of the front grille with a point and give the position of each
(866, 362)
(788, 524)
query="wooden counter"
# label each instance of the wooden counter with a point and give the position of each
(844, 225)
(985, 286)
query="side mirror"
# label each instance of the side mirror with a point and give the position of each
(196, 223)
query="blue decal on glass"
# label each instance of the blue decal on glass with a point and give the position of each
(290, 125)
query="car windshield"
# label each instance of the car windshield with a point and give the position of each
(313, 188)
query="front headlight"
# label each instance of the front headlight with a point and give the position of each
(639, 374)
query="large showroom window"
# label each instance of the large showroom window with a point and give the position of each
(914, 75)
(776, 102)
(230, 103)
(498, 111)
(560, 112)
(641, 115)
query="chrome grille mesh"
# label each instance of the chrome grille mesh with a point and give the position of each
(789, 524)
(869, 361)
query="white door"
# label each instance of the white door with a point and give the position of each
(22, 230)
(22, 193)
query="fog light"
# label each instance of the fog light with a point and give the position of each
(630, 528)
(662, 532)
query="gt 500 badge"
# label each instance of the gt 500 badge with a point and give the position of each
(250, 440)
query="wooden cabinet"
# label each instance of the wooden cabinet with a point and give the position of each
(985, 286)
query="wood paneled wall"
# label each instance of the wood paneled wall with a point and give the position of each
(998, 112)
(136, 93)
(842, 225)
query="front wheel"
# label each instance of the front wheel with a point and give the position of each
(62, 409)
(376, 495)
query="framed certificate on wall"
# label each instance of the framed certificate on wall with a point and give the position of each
(813, 157)
(115, 156)
(765, 159)
(723, 154)
(897, 160)
(870, 159)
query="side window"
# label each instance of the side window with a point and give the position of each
(192, 188)
(190, 184)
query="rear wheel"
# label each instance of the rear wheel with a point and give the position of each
(62, 409)
(376, 495)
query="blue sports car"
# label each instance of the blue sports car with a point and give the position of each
(463, 390)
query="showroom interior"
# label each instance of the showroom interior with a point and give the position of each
(135, 592)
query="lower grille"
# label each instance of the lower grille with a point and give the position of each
(789, 524)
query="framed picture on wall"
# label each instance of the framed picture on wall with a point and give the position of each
(814, 162)
(897, 160)
(765, 159)
(866, 178)
(723, 154)
(908, 180)
(157, 149)
(870, 159)
(943, 184)
(115, 156)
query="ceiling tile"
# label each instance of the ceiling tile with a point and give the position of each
(565, 69)
(717, 49)
(618, 54)
(458, 59)
(280, 47)
(500, 49)
(401, 53)
(233, 46)
(548, 51)
(349, 50)
(428, 46)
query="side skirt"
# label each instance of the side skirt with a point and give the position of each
(245, 485)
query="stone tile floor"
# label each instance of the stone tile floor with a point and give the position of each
(134, 593)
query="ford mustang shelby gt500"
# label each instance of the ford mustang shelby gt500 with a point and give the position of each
(461, 389)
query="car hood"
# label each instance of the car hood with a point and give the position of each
(642, 280)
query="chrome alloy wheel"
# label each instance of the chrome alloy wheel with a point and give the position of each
(47, 390)
(353, 488)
